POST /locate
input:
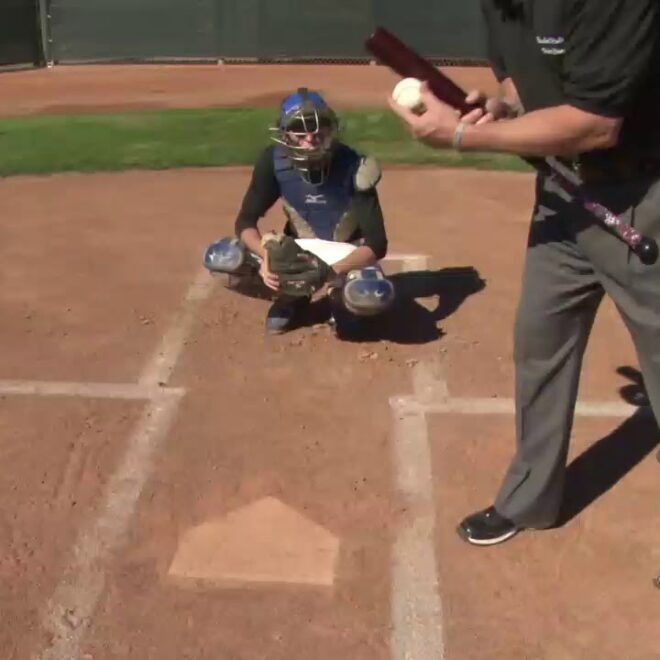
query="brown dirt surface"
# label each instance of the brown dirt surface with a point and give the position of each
(57, 455)
(579, 591)
(80, 324)
(94, 271)
(325, 454)
(302, 417)
(108, 88)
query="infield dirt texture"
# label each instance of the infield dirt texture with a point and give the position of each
(176, 484)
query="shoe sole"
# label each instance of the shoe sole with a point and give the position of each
(276, 332)
(495, 541)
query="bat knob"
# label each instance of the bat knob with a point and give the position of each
(647, 251)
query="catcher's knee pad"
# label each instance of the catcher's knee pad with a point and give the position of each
(228, 255)
(367, 291)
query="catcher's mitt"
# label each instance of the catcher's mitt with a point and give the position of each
(300, 272)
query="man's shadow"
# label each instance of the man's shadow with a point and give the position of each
(408, 321)
(606, 462)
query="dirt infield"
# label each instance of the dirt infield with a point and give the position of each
(58, 454)
(303, 419)
(571, 592)
(108, 88)
(178, 485)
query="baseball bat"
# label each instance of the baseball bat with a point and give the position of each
(403, 60)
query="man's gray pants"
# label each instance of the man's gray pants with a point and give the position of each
(571, 263)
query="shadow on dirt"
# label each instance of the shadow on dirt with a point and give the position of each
(608, 460)
(408, 321)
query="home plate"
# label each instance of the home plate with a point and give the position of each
(263, 542)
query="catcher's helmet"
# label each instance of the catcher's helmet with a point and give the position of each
(308, 129)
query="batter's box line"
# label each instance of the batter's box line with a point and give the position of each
(72, 606)
(431, 396)
(410, 404)
(122, 391)
(416, 592)
(152, 382)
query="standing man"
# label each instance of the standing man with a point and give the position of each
(580, 80)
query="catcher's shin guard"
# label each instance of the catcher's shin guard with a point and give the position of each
(367, 292)
(238, 268)
(229, 255)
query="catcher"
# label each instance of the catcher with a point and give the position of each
(334, 235)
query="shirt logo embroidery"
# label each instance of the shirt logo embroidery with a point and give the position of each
(551, 45)
(315, 199)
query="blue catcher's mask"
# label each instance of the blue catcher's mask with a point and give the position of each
(308, 130)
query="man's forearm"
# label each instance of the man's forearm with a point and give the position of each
(558, 131)
(252, 239)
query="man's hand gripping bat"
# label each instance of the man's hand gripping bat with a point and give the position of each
(407, 63)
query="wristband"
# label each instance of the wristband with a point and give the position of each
(458, 135)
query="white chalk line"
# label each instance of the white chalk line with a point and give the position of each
(417, 632)
(416, 603)
(128, 391)
(416, 594)
(503, 406)
(69, 611)
(160, 367)
(416, 608)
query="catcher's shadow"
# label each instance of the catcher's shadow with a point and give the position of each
(423, 299)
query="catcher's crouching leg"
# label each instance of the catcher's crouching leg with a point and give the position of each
(367, 292)
(230, 258)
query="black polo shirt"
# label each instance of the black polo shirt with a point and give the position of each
(602, 56)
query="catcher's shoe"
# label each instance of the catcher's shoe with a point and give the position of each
(283, 314)
(487, 527)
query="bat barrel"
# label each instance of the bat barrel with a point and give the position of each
(409, 64)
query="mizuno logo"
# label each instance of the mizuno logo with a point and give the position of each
(315, 199)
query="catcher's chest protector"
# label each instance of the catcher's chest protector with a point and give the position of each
(321, 207)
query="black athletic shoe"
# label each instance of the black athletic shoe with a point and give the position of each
(486, 527)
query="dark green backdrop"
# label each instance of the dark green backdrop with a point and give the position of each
(121, 30)
(19, 32)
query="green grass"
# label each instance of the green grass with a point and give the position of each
(197, 138)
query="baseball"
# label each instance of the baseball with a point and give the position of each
(407, 94)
